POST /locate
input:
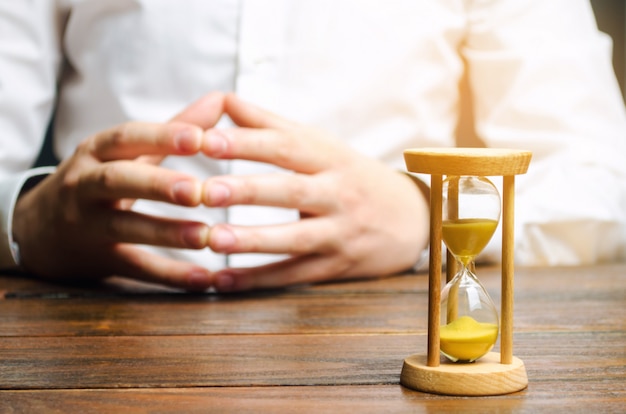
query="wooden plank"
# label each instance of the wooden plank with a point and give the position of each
(331, 399)
(137, 347)
(583, 358)
(183, 361)
(365, 313)
(334, 308)
(24, 286)
(555, 280)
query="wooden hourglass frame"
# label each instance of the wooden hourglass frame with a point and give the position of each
(494, 373)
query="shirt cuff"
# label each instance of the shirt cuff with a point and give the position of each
(423, 263)
(10, 188)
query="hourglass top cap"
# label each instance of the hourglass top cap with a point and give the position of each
(467, 161)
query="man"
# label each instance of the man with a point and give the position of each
(247, 174)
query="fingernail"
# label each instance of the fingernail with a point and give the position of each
(222, 238)
(224, 282)
(217, 143)
(199, 280)
(187, 140)
(217, 194)
(196, 236)
(186, 192)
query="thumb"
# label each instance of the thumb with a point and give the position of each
(205, 112)
(247, 115)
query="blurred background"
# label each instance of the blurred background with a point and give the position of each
(611, 19)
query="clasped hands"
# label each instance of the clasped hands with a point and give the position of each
(358, 217)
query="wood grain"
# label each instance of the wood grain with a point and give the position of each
(546, 300)
(481, 162)
(508, 270)
(254, 360)
(434, 271)
(321, 399)
(327, 348)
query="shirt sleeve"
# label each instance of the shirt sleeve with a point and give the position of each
(10, 188)
(29, 64)
(542, 80)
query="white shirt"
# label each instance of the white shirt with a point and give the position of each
(381, 75)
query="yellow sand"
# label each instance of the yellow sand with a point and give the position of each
(467, 237)
(467, 340)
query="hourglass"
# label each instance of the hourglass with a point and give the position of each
(462, 319)
(469, 319)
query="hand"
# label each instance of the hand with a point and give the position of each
(358, 217)
(77, 222)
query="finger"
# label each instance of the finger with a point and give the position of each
(267, 137)
(290, 149)
(307, 236)
(294, 271)
(203, 113)
(131, 227)
(128, 179)
(141, 265)
(245, 114)
(297, 191)
(132, 139)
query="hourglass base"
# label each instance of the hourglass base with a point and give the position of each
(486, 376)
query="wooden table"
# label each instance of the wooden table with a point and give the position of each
(327, 348)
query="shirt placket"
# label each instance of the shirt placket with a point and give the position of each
(262, 42)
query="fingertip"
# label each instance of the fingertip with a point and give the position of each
(199, 280)
(215, 194)
(215, 143)
(246, 114)
(230, 98)
(188, 139)
(204, 112)
(213, 98)
(187, 192)
(211, 103)
(243, 113)
(222, 239)
(232, 280)
(196, 236)
(225, 282)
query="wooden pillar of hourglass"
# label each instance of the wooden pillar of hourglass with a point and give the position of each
(494, 373)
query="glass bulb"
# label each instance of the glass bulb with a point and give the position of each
(469, 319)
